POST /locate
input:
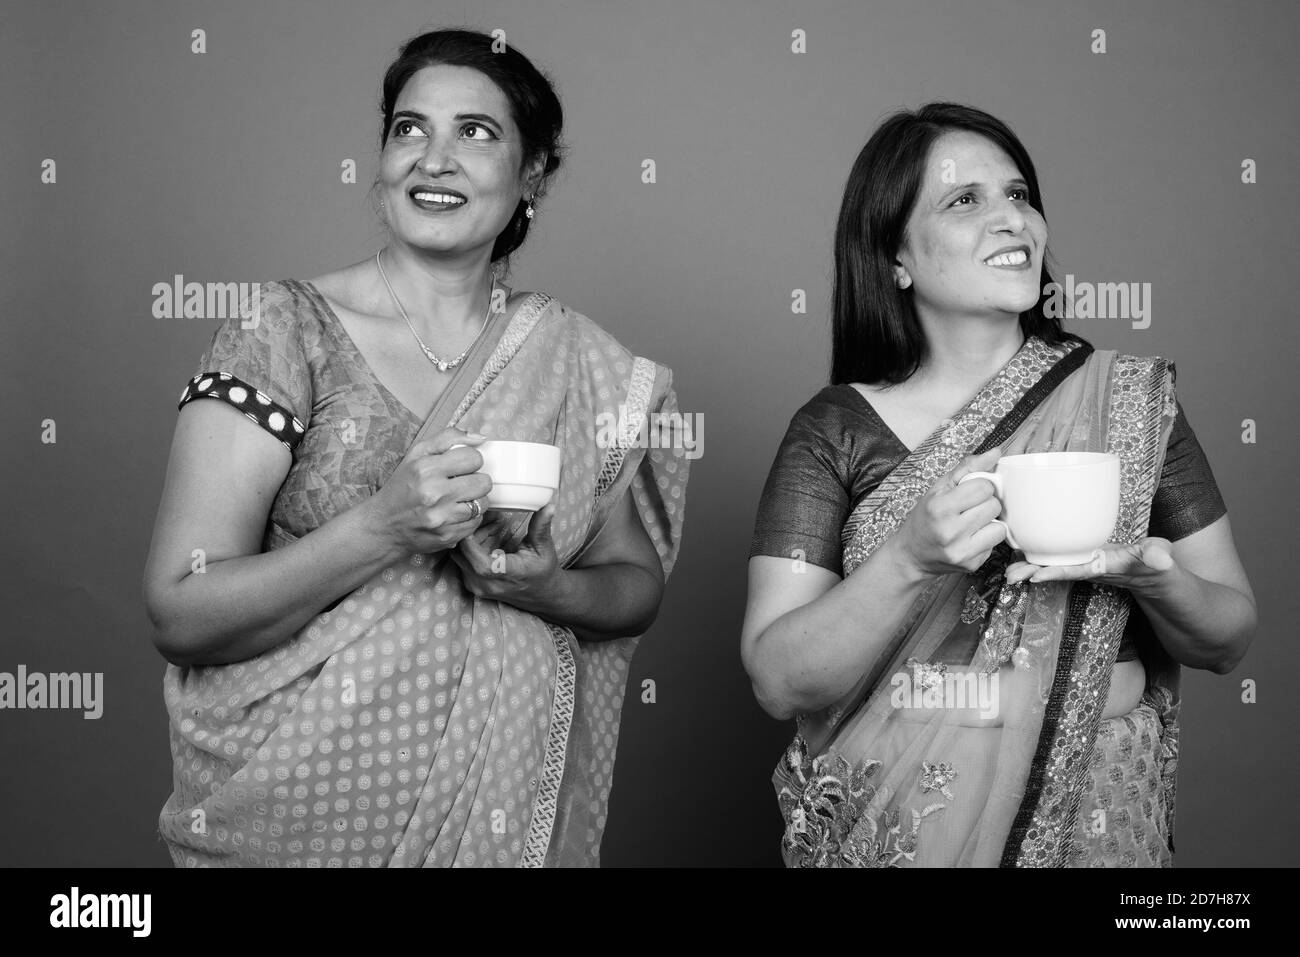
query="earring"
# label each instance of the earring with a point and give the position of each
(529, 211)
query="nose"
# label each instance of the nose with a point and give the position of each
(1007, 216)
(439, 156)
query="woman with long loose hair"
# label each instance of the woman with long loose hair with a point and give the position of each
(884, 601)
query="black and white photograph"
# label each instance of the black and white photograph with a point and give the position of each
(985, 306)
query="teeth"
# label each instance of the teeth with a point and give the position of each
(1009, 259)
(438, 198)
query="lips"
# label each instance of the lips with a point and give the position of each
(437, 199)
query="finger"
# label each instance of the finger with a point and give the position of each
(539, 530)
(1104, 561)
(988, 538)
(450, 517)
(1020, 571)
(453, 463)
(444, 440)
(467, 572)
(983, 462)
(461, 489)
(1156, 554)
(476, 553)
(981, 512)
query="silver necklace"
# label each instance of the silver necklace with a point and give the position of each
(443, 365)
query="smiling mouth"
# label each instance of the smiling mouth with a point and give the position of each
(437, 200)
(1015, 259)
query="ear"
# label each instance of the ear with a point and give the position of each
(901, 277)
(534, 170)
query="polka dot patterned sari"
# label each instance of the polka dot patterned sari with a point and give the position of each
(414, 724)
(977, 739)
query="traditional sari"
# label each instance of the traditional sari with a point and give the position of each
(911, 768)
(413, 723)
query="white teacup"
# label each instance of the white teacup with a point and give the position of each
(1057, 507)
(524, 474)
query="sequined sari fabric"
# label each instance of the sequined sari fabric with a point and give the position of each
(413, 723)
(977, 738)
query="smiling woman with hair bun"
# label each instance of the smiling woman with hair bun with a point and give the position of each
(366, 669)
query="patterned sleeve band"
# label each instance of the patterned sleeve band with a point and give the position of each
(265, 411)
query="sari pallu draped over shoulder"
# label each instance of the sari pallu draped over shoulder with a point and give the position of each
(414, 724)
(972, 740)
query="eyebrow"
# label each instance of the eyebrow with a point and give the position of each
(480, 117)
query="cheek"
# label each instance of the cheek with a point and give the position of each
(499, 176)
(393, 166)
(940, 249)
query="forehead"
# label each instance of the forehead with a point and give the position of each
(959, 156)
(445, 90)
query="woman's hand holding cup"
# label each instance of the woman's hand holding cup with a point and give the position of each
(427, 504)
(951, 529)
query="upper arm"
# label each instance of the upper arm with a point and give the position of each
(240, 418)
(795, 550)
(778, 586)
(1187, 498)
(222, 476)
(1211, 554)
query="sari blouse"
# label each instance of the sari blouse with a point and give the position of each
(837, 449)
(345, 430)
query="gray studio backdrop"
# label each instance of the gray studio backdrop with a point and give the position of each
(225, 166)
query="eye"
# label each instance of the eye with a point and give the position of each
(402, 127)
(478, 128)
(957, 201)
(1020, 193)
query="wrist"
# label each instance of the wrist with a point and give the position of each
(553, 595)
(895, 556)
(378, 542)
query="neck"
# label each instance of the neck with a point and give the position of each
(966, 351)
(443, 299)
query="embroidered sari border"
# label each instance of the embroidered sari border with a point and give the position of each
(1005, 429)
(1042, 831)
(1037, 779)
(542, 822)
(885, 508)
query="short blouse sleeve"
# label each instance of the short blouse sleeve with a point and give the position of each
(806, 498)
(262, 370)
(1187, 498)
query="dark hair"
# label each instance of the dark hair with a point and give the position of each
(534, 107)
(876, 336)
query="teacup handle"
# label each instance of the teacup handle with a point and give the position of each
(997, 490)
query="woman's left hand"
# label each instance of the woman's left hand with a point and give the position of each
(1142, 566)
(525, 577)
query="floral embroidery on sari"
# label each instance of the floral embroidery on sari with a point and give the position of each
(937, 777)
(1024, 772)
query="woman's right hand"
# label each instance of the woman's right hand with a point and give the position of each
(951, 529)
(424, 506)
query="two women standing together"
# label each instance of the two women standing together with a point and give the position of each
(369, 671)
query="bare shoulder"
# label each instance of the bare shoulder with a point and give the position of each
(347, 287)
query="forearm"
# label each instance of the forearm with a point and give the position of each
(599, 603)
(812, 656)
(1202, 624)
(239, 607)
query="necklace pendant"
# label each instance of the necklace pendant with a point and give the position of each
(442, 365)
